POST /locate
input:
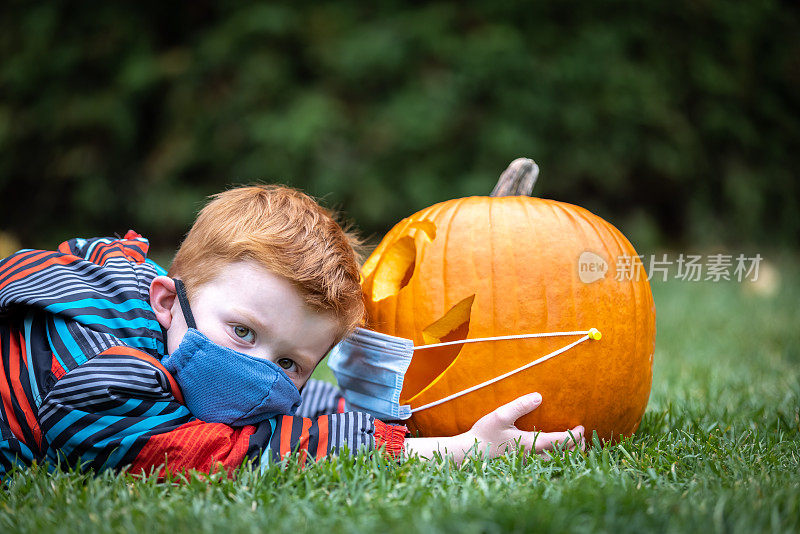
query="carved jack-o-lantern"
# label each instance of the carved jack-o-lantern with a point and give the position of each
(504, 265)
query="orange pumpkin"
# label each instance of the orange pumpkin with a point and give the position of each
(502, 265)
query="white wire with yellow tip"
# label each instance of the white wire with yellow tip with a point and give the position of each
(593, 334)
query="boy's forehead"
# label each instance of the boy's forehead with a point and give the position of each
(256, 291)
(246, 278)
(264, 297)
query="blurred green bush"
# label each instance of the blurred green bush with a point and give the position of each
(677, 121)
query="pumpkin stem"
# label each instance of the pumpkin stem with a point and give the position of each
(518, 179)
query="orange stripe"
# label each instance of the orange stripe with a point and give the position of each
(11, 419)
(63, 260)
(17, 352)
(340, 406)
(128, 351)
(64, 248)
(112, 254)
(56, 369)
(133, 253)
(117, 249)
(99, 252)
(304, 440)
(22, 257)
(96, 253)
(286, 435)
(322, 445)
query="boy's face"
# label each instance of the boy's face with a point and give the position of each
(253, 311)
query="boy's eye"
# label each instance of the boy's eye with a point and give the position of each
(287, 364)
(244, 333)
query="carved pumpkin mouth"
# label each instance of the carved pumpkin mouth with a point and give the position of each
(427, 365)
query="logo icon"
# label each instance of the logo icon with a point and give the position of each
(591, 267)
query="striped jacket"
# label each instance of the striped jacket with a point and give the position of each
(82, 383)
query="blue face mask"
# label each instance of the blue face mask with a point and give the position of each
(370, 368)
(221, 385)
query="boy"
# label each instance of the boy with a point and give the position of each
(106, 362)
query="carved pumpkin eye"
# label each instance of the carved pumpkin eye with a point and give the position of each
(398, 261)
(395, 269)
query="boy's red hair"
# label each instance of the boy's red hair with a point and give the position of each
(286, 232)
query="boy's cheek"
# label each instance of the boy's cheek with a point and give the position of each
(175, 336)
(301, 382)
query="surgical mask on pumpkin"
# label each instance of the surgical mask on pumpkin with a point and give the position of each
(221, 385)
(370, 368)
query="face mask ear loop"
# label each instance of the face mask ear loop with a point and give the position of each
(592, 333)
(183, 300)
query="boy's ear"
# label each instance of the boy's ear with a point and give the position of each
(162, 298)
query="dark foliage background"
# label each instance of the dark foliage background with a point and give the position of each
(678, 121)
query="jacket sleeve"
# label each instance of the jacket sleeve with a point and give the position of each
(320, 398)
(122, 408)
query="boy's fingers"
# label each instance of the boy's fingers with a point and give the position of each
(576, 438)
(577, 434)
(509, 413)
(573, 437)
(548, 441)
(568, 438)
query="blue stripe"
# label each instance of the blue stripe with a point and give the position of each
(131, 433)
(115, 323)
(123, 409)
(154, 341)
(100, 304)
(148, 422)
(37, 398)
(266, 457)
(22, 458)
(127, 442)
(74, 351)
(139, 342)
(72, 417)
(155, 409)
(69, 419)
(96, 426)
(160, 271)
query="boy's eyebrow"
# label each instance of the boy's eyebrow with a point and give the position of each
(252, 319)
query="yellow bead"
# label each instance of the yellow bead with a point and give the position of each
(595, 334)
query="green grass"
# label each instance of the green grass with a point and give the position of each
(718, 451)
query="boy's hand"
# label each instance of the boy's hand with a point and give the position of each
(495, 434)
